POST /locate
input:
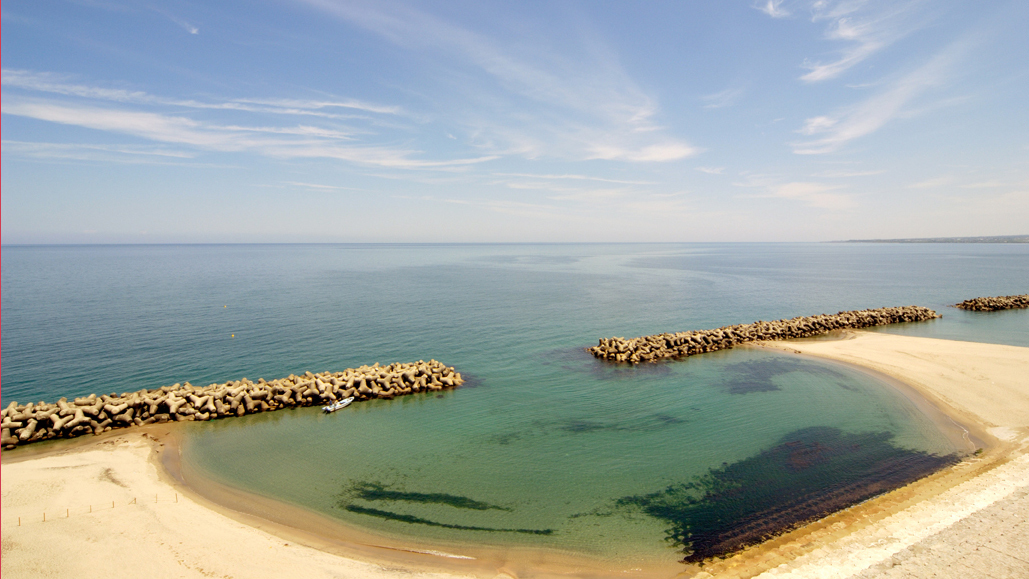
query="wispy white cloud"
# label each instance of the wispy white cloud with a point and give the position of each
(814, 194)
(298, 142)
(300, 130)
(174, 121)
(872, 114)
(866, 27)
(711, 170)
(773, 8)
(187, 26)
(131, 154)
(603, 87)
(848, 174)
(933, 183)
(528, 99)
(63, 85)
(323, 104)
(319, 187)
(722, 99)
(592, 195)
(543, 211)
(628, 200)
(574, 177)
(670, 151)
(811, 193)
(985, 185)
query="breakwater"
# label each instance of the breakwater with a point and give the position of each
(682, 344)
(94, 414)
(995, 303)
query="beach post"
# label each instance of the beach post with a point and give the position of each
(67, 513)
(44, 517)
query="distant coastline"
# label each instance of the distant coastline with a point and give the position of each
(980, 239)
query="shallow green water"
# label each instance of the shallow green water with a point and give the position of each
(548, 456)
(562, 444)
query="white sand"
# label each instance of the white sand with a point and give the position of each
(147, 533)
(986, 383)
(975, 525)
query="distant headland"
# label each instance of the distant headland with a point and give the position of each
(980, 239)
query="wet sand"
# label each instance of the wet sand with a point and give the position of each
(161, 526)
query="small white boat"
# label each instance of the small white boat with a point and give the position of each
(338, 405)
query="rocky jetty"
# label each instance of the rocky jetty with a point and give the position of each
(995, 303)
(682, 344)
(94, 414)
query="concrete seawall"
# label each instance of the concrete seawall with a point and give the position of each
(682, 344)
(995, 303)
(94, 414)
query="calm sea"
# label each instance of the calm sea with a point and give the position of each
(545, 446)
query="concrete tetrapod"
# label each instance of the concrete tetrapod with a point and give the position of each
(683, 344)
(94, 414)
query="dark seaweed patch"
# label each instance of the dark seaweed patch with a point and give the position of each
(577, 426)
(644, 424)
(758, 375)
(506, 438)
(370, 491)
(648, 423)
(754, 376)
(420, 521)
(809, 474)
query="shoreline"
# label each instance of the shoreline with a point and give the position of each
(962, 431)
(158, 445)
(896, 519)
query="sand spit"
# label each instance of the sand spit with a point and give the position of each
(983, 385)
(94, 414)
(995, 303)
(682, 344)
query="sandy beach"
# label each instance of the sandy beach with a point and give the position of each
(113, 510)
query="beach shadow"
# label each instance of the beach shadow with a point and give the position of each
(807, 475)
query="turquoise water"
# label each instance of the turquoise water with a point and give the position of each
(544, 446)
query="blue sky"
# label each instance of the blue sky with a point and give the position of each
(338, 121)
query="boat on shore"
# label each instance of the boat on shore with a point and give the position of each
(338, 405)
